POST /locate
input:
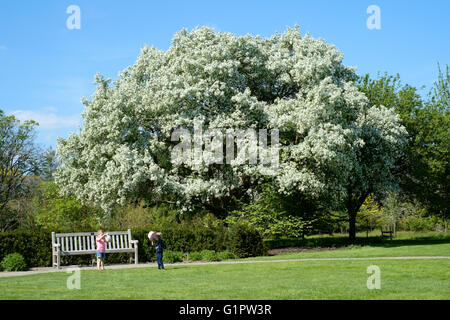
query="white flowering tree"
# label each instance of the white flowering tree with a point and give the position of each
(333, 146)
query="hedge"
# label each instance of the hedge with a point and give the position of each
(35, 246)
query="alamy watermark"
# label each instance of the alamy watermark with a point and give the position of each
(374, 280)
(230, 146)
(74, 20)
(374, 20)
(74, 281)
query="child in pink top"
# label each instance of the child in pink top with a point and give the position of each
(101, 248)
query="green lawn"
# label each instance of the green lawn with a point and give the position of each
(409, 279)
(394, 250)
(400, 279)
(406, 244)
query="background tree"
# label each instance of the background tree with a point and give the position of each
(48, 165)
(393, 210)
(19, 157)
(382, 140)
(370, 215)
(54, 212)
(275, 215)
(432, 147)
(423, 169)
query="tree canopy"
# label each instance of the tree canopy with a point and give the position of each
(423, 170)
(334, 145)
(19, 158)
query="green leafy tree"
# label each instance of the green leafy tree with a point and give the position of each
(19, 158)
(275, 215)
(62, 213)
(393, 210)
(423, 170)
(370, 215)
(433, 149)
(49, 164)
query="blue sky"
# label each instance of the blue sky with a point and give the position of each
(45, 68)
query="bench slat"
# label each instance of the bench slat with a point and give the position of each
(92, 242)
(63, 235)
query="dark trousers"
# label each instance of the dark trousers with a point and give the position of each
(159, 258)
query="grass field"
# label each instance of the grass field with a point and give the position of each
(389, 250)
(400, 279)
(406, 279)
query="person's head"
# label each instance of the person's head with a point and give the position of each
(99, 232)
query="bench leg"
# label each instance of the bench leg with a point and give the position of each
(136, 255)
(58, 261)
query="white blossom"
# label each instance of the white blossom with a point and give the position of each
(292, 83)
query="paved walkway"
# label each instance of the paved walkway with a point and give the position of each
(148, 265)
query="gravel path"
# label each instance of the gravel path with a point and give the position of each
(148, 265)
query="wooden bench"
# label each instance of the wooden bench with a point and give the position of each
(387, 234)
(67, 244)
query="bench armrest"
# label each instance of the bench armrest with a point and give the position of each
(134, 242)
(56, 246)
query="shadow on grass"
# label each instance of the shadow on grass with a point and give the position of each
(370, 241)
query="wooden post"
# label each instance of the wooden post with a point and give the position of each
(53, 249)
(135, 245)
(136, 261)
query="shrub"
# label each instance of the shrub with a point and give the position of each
(420, 223)
(210, 255)
(173, 256)
(195, 256)
(14, 262)
(244, 241)
(225, 255)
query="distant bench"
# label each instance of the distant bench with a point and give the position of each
(387, 234)
(68, 244)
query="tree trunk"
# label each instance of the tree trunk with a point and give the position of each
(445, 223)
(352, 224)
